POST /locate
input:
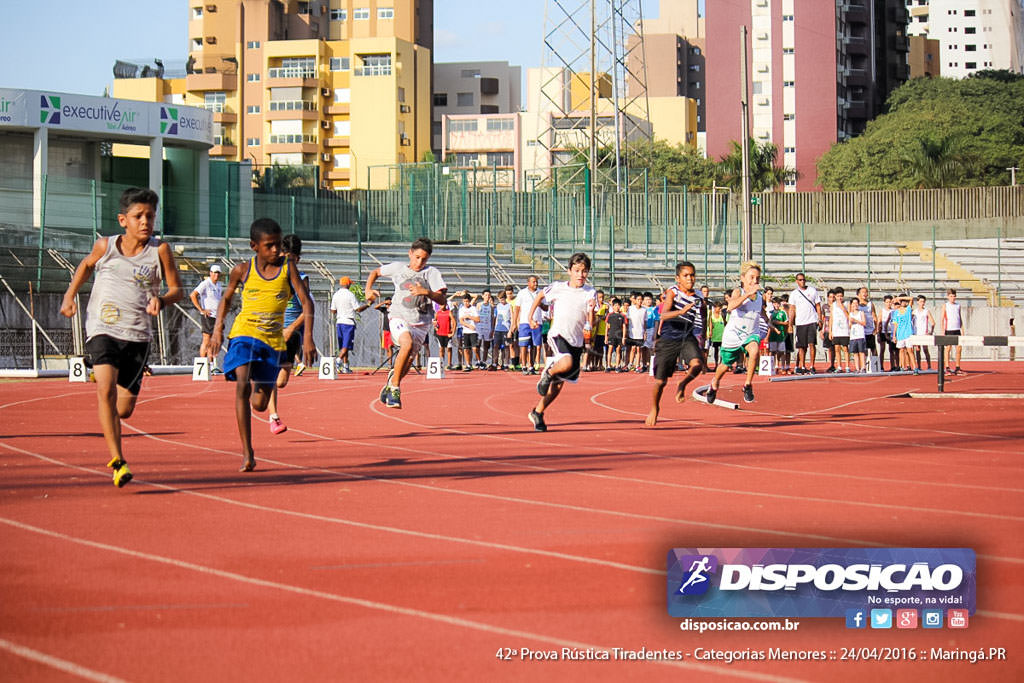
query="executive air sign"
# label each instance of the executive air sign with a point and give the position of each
(817, 582)
(117, 117)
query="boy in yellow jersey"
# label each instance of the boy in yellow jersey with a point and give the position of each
(257, 341)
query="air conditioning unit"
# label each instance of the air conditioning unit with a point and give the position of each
(404, 108)
(211, 8)
(326, 92)
(325, 125)
(325, 156)
(212, 40)
(406, 142)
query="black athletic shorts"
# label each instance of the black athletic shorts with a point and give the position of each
(668, 351)
(789, 343)
(869, 341)
(598, 342)
(841, 341)
(127, 356)
(208, 324)
(442, 340)
(470, 340)
(806, 335)
(559, 345)
(613, 341)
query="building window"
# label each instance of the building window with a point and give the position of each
(197, 44)
(694, 67)
(343, 95)
(361, 13)
(787, 51)
(340, 64)
(789, 150)
(385, 12)
(374, 65)
(197, 12)
(214, 101)
(788, 84)
(970, 48)
(462, 125)
(252, 44)
(968, 13)
(252, 142)
(466, 159)
(464, 99)
(501, 124)
(252, 78)
(789, 117)
(787, 17)
(440, 99)
(970, 65)
(401, 94)
(435, 127)
(339, 14)
(471, 73)
(252, 109)
(342, 128)
(970, 29)
(500, 158)
(303, 8)
(757, 87)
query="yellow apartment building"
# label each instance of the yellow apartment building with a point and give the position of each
(343, 85)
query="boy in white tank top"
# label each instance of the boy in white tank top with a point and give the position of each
(741, 335)
(124, 299)
(924, 323)
(952, 324)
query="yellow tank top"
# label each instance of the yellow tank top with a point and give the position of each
(263, 304)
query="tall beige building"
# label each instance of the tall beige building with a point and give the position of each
(342, 85)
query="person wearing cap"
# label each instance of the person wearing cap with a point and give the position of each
(345, 306)
(206, 298)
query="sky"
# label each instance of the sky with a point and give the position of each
(76, 53)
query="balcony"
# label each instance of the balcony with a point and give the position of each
(338, 142)
(338, 174)
(281, 110)
(379, 70)
(291, 77)
(217, 80)
(221, 114)
(488, 86)
(222, 147)
(285, 144)
(337, 108)
(206, 71)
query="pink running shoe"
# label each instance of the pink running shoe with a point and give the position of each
(277, 427)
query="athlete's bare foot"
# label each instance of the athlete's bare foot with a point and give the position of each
(681, 388)
(248, 463)
(652, 417)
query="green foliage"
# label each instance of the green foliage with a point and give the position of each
(282, 179)
(765, 175)
(938, 132)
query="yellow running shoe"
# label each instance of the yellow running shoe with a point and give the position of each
(122, 475)
(115, 462)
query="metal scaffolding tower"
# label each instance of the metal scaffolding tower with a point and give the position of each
(591, 94)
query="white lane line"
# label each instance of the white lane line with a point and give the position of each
(57, 663)
(368, 604)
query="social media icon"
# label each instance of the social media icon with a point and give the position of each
(856, 618)
(906, 618)
(931, 618)
(957, 618)
(881, 618)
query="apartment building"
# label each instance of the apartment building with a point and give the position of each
(975, 35)
(818, 70)
(465, 88)
(341, 85)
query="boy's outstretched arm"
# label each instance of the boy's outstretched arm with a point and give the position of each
(369, 292)
(217, 338)
(82, 274)
(299, 287)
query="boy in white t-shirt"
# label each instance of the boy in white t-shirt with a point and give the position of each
(468, 318)
(574, 303)
(417, 287)
(858, 343)
(952, 324)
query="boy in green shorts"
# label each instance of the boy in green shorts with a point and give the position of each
(741, 335)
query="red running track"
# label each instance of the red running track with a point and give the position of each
(374, 544)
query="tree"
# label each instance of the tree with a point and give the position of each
(937, 161)
(765, 175)
(285, 179)
(982, 113)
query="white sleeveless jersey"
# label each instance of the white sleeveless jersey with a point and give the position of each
(840, 324)
(743, 323)
(121, 291)
(953, 320)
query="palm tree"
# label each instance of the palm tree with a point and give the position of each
(765, 175)
(937, 161)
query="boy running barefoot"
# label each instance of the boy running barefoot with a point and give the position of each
(574, 302)
(746, 316)
(125, 296)
(683, 312)
(256, 341)
(417, 288)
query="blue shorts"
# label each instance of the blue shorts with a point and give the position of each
(529, 336)
(263, 361)
(346, 335)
